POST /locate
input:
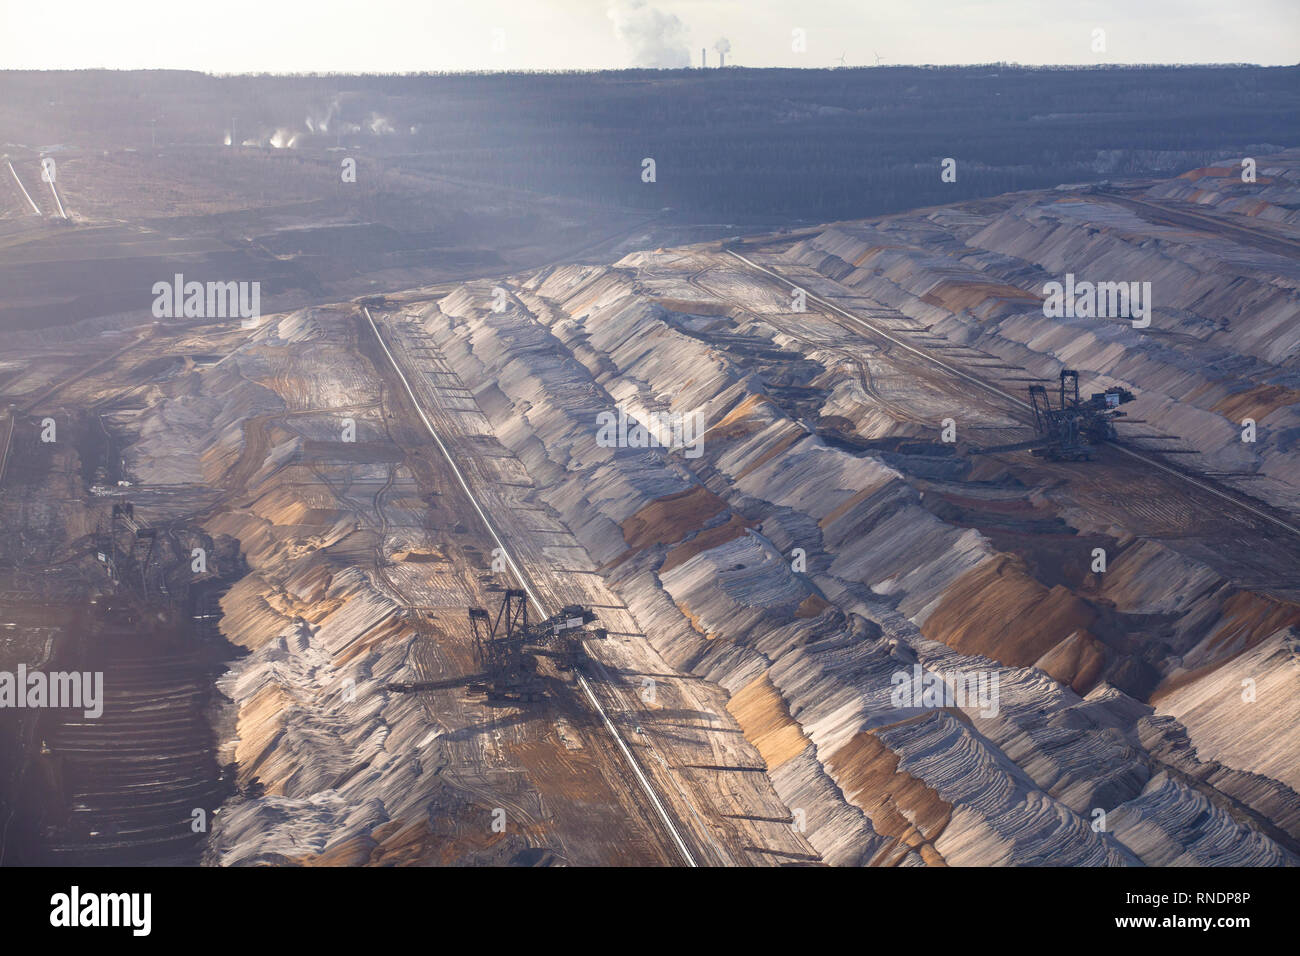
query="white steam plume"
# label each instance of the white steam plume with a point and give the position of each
(653, 38)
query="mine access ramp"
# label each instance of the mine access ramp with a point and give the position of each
(1071, 429)
(507, 647)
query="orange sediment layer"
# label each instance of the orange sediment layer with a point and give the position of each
(812, 605)
(734, 528)
(845, 506)
(997, 609)
(1213, 172)
(695, 622)
(959, 296)
(1078, 661)
(778, 447)
(1257, 403)
(1245, 619)
(669, 519)
(898, 804)
(766, 723)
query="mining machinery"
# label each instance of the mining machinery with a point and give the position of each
(507, 647)
(508, 673)
(143, 545)
(1070, 430)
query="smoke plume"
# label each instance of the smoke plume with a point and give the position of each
(652, 38)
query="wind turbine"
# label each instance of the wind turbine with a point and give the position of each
(842, 62)
(877, 56)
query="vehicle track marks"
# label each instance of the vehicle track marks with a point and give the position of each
(528, 589)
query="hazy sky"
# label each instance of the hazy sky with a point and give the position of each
(419, 35)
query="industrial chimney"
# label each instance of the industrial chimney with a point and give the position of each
(723, 46)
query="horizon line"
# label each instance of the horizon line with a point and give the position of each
(1006, 65)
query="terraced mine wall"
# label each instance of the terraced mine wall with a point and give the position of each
(1214, 359)
(908, 558)
(327, 765)
(815, 549)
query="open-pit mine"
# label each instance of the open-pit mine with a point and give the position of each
(831, 545)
